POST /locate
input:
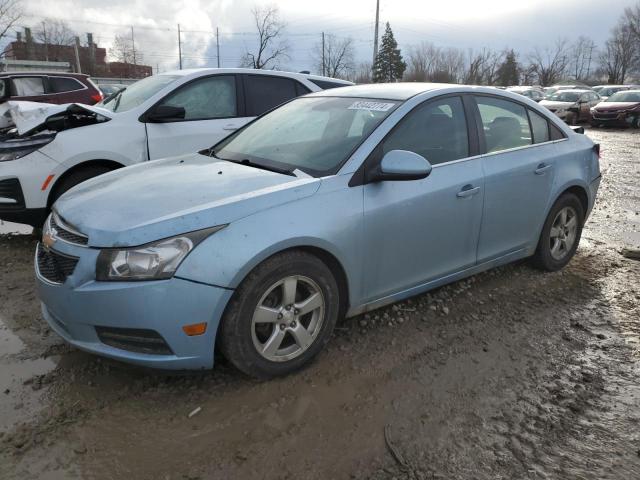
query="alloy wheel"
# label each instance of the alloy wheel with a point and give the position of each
(563, 233)
(288, 318)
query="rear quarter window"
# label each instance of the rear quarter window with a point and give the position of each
(64, 84)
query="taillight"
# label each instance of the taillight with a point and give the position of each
(596, 150)
(97, 97)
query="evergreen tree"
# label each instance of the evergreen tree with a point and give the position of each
(509, 71)
(389, 66)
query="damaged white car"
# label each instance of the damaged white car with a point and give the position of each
(52, 148)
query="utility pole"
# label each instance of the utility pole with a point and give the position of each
(133, 46)
(323, 64)
(179, 48)
(76, 47)
(375, 39)
(218, 46)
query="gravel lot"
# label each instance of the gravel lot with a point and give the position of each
(510, 374)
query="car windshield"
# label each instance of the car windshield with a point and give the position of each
(607, 92)
(313, 134)
(564, 96)
(624, 97)
(137, 93)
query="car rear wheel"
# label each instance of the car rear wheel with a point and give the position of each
(561, 234)
(281, 316)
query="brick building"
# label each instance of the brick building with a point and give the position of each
(93, 59)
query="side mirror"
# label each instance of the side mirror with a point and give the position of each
(166, 113)
(401, 165)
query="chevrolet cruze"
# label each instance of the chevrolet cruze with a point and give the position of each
(331, 205)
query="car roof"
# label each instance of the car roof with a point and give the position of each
(575, 90)
(50, 74)
(386, 91)
(196, 72)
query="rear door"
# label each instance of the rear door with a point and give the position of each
(519, 171)
(32, 88)
(212, 111)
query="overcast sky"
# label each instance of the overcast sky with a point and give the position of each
(521, 25)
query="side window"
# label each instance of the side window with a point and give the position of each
(556, 133)
(505, 124)
(28, 86)
(64, 84)
(539, 126)
(437, 130)
(207, 98)
(262, 93)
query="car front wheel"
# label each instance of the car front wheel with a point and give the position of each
(561, 234)
(281, 316)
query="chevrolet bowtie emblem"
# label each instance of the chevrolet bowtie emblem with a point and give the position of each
(49, 239)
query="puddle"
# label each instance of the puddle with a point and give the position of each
(19, 401)
(8, 227)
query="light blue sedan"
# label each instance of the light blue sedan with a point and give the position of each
(331, 205)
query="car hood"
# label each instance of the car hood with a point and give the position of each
(28, 116)
(615, 106)
(553, 104)
(159, 199)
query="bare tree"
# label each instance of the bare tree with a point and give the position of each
(421, 62)
(620, 54)
(427, 62)
(582, 55)
(632, 15)
(271, 46)
(337, 57)
(54, 34)
(123, 50)
(10, 13)
(550, 64)
(361, 73)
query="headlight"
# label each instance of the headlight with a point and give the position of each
(154, 261)
(13, 149)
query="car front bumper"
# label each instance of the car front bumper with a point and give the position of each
(617, 119)
(76, 307)
(24, 190)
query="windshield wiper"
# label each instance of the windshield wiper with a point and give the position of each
(113, 95)
(249, 163)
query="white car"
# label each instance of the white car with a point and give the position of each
(56, 147)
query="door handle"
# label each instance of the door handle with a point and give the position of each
(231, 127)
(468, 191)
(543, 167)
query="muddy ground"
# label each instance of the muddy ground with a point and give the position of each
(510, 374)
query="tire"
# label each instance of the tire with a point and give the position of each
(636, 122)
(546, 256)
(245, 343)
(75, 178)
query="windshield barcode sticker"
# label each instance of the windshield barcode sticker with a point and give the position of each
(376, 106)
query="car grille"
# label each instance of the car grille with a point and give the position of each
(66, 233)
(134, 340)
(54, 266)
(10, 188)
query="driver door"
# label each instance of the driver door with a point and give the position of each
(211, 113)
(421, 230)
